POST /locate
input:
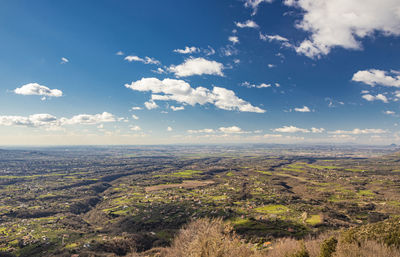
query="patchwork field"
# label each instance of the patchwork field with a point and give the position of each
(115, 201)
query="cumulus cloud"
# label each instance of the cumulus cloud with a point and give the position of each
(357, 131)
(379, 97)
(49, 121)
(136, 108)
(249, 85)
(177, 108)
(374, 77)
(389, 112)
(343, 137)
(192, 131)
(150, 105)
(64, 60)
(35, 120)
(343, 23)
(89, 119)
(247, 24)
(197, 66)
(36, 89)
(145, 60)
(272, 136)
(135, 117)
(169, 129)
(234, 39)
(302, 109)
(253, 4)
(135, 128)
(271, 65)
(180, 91)
(187, 50)
(291, 129)
(233, 129)
(119, 53)
(317, 130)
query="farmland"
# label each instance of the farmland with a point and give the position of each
(115, 200)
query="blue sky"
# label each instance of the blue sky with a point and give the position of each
(158, 72)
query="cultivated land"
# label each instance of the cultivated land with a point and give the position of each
(107, 201)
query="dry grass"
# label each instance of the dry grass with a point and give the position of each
(214, 238)
(208, 238)
(366, 249)
(284, 247)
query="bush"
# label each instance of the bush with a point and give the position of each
(328, 247)
(208, 238)
(301, 253)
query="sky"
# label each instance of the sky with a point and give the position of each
(185, 71)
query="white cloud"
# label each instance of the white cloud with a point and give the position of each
(137, 108)
(375, 77)
(89, 119)
(159, 71)
(191, 131)
(180, 91)
(145, 60)
(64, 60)
(271, 66)
(290, 129)
(229, 50)
(119, 53)
(35, 120)
(177, 108)
(343, 23)
(272, 136)
(209, 51)
(277, 38)
(253, 4)
(51, 122)
(135, 117)
(234, 39)
(135, 128)
(36, 89)
(343, 137)
(233, 129)
(150, 105)
(371, 98)
(303, 109)
(197, 66)
(249, 85)
(357, 131)
(317, 130)
(271, 38)
(169, 129)
(187, 50)
(247, 24)
(390, 112)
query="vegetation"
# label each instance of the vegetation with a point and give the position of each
(255, 201)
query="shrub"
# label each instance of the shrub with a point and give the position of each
(300, 253)
(328, 247)
(208, 238)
